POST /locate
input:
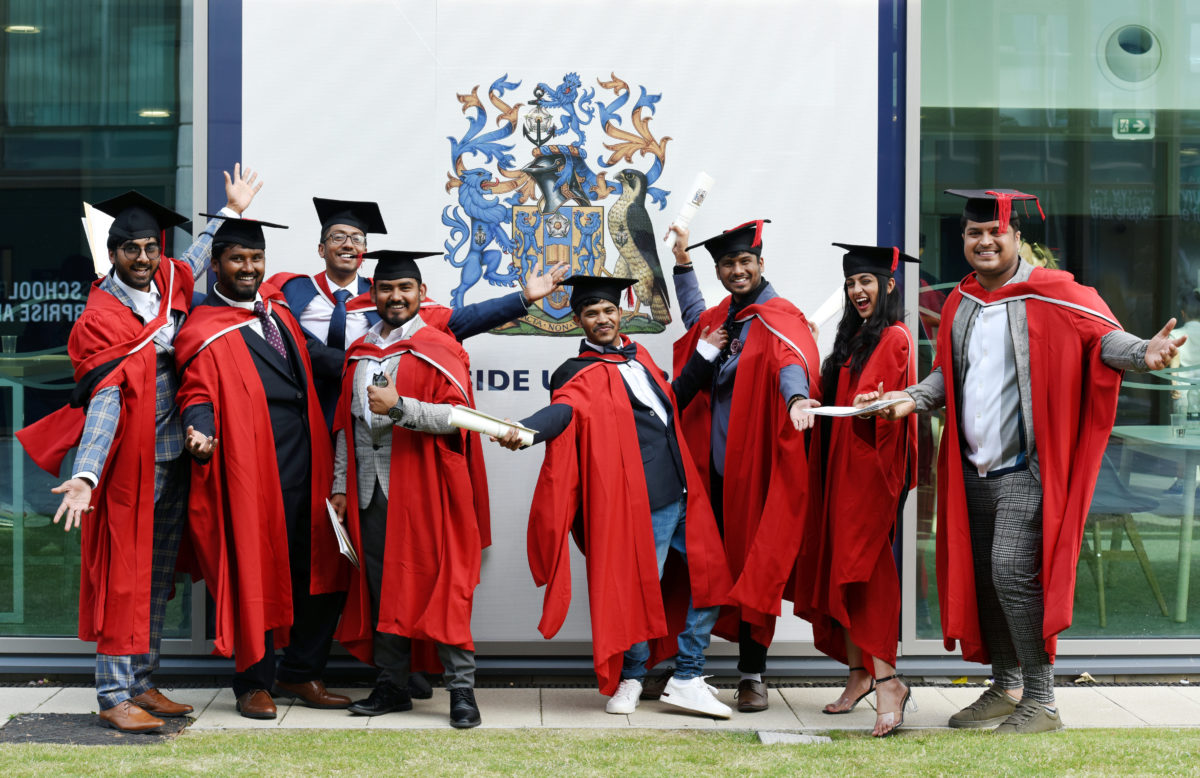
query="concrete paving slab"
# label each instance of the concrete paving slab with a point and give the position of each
(806, 703)
(70, 700)
(791, 739)
(304, 717)
(778, 715)
(509, 708)
(1159, 706)
(652, 714)
(574, 708)
(1088, 706)
(933, 709)
(23, 699)
(222, 713)
(199, 699)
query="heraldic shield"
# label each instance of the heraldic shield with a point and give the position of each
(572, 235)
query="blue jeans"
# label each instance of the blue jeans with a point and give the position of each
(670, 532)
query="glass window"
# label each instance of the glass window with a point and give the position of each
(94, 96)
(1091, 106)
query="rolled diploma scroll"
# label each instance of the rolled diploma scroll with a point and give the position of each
(477, 421)
(700, 189)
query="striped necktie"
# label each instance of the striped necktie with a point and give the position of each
(337, 322)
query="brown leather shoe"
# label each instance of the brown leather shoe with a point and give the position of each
(154, 701)
(751, 696)
(128, 717)
(313, 693)
(256, 705)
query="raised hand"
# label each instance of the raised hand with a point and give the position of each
(240, 189)
(681, 244)
(542, 284)
(718, 337)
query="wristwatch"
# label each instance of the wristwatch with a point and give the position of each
(396, 413)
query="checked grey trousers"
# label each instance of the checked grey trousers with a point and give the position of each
(1005, 515)
(120, 677)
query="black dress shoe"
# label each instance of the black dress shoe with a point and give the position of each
(418, 687)
(385, 698)
(464, 713)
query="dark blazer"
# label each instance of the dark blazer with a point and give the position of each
(285, 383)
(659, 443)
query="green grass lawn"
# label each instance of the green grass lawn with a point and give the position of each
(562, 753)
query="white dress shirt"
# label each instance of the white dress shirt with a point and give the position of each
(145, 305)
(255, 324)
(637, 378)
(316, 315)
(991, 408)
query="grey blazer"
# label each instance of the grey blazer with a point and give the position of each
(1118, 349)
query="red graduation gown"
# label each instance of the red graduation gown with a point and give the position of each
(235, 516)
(118, 538)
(594, 470)
(438, 513)
(846, 576)
(1074, 399)
(767, 494)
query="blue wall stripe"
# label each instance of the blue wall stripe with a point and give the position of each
(893, 30)
(224, 95)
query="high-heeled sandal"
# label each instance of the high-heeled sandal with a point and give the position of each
(906, 703)
(843, 697)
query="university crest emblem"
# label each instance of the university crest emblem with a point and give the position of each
(560, 205)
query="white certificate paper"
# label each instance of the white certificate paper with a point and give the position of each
(342, 538)
(850, 410)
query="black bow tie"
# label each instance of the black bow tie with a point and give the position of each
(629, 352)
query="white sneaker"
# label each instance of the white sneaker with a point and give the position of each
(626, 698)
(695, 695)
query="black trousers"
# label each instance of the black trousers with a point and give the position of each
(752, 655)
(314, 617)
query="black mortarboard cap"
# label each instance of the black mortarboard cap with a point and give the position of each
(397, 264)
(985, 205)
(243, 232)
(597, 287)
(136, 216)
(744, 237)
(880, 260)
(361, 214)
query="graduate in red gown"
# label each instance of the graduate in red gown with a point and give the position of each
(746, 434)
(618, 476)
(125, 421)
(413, 493)
(257, 518)
(1028, 367)
(847, 584)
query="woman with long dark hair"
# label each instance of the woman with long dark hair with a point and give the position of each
(847, 584)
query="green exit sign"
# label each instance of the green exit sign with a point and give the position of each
(1133, 125)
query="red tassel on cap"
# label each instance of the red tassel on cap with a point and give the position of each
(1004, 205)
(758, 227)
(895, 258)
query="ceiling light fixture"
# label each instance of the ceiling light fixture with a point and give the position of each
(154, 113)
(22, 29)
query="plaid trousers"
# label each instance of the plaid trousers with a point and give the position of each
(120, 677)
(1005, 515)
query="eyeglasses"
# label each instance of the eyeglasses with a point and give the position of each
(132, 250)
(338, 238)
